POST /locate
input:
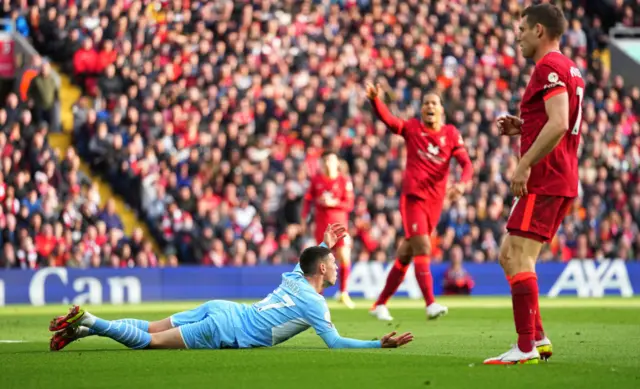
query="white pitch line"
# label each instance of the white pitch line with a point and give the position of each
(12, 341)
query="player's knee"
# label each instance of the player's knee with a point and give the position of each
(171, 339)
(156, 341)
(160, 325)
(404, 253)
(524, 252)
(420, 245)
(514, 255)
(503, 258)
(405, 259)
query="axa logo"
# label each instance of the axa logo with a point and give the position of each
(588, 278)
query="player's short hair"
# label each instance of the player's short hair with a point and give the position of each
(310, 257)
(434, 92)
(549, 15)
(327, 153)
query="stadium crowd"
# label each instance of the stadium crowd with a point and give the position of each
(210, 117)
(50, 212)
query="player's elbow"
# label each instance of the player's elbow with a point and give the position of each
(465, 161)
(331, 340)
(333, 343)
(560, 125)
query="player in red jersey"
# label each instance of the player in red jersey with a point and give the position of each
(332, 195)
(545, 182)
(430, 147)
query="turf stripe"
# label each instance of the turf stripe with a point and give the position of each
(478, 302)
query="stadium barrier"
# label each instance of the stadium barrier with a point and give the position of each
(582, 278)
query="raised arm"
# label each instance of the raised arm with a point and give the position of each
(332, 235)
(307, 202)
(395, 124)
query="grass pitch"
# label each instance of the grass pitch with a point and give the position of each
(596, 345)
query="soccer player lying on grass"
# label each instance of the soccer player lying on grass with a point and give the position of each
(292, 308)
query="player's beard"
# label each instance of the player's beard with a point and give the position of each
(430, 121)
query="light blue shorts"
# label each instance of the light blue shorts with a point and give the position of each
(198, 326)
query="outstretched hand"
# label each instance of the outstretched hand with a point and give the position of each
(334, 233)
(392, 341)
(374, 91)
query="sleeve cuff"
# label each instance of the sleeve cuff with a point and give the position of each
(554, 92)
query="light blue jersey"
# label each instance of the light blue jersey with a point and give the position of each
(289, 310)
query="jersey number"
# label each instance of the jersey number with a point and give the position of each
(513, 207)
(576, 127)
(266, 303)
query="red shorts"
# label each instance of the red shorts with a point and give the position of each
(321, 226)
(419, 216)
(538, 217)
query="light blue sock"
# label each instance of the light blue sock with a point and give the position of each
(126, 334)
(139, 324)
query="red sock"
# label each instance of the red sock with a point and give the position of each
(424, 278)
(343, 275)
(539, 330)
(524, 296)
(394, 279)
(538, 320)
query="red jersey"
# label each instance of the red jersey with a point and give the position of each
(429, 155)
(557, 173)
(339, 188)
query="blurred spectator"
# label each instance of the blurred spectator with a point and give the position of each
(456, 278)
(16, 21)
(110, 217)
(44, 92)
(85, 61)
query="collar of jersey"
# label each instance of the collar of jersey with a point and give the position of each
(306, 282)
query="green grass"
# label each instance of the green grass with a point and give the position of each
(597, 345)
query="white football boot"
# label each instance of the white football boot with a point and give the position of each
(381, 313)
(436, 310)
(515, 357)
(545, 349)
